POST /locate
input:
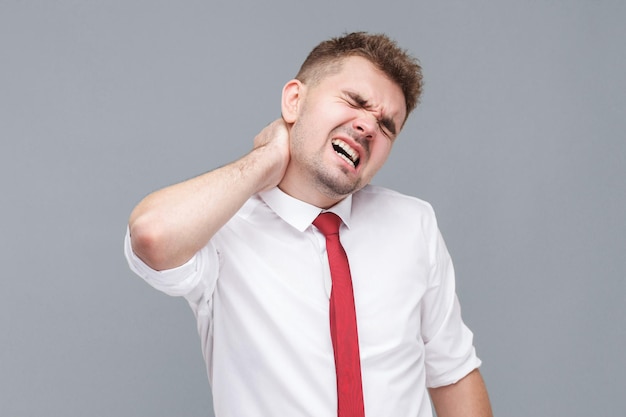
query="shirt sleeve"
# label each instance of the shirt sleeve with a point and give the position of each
(193, 280)
(449, 351)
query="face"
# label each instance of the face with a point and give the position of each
(342, 133)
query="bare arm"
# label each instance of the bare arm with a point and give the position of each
(170, 225)
(467, 398)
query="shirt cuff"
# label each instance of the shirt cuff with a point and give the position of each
(451, 354)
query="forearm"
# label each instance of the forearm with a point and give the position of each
(170, 225)
(467, 398)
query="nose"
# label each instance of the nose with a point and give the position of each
(365, 125)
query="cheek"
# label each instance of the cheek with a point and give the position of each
(378, 157)
(380, 152)
(335, 114)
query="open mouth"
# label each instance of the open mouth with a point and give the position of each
(346, 152)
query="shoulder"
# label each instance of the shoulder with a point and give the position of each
(380, 199)
(387, 210)
(381, 212)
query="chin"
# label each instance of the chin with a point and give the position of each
(339, 191)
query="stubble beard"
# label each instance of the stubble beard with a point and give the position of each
(332, 186)
(335, 185)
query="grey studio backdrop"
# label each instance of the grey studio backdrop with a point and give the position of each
(518, 143)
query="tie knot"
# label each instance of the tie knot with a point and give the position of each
(328, 223)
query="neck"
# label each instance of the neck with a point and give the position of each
(305, 191)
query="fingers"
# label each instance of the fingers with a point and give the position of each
(271, 146)
(276, 131)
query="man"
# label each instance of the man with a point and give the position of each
(243, 245)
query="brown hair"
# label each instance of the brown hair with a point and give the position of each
(381, 51)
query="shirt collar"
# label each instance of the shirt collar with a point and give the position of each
(300, 214)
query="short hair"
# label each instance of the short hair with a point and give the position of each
(380, 50)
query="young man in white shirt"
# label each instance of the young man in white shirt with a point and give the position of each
(238, 243)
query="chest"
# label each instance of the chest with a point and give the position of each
(283, 276)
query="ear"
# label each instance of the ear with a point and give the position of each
(293, 93)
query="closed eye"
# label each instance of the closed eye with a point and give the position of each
(356, 100)
(387, 126)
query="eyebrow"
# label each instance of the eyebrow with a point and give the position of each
(387, 122)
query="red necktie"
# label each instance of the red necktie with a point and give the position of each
(343, 328)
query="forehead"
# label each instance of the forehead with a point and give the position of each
(358, 75)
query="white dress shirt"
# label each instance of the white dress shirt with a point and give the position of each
(260, 291)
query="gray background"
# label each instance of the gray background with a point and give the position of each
(519, 145)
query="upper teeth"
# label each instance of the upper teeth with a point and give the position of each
(352, 154)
